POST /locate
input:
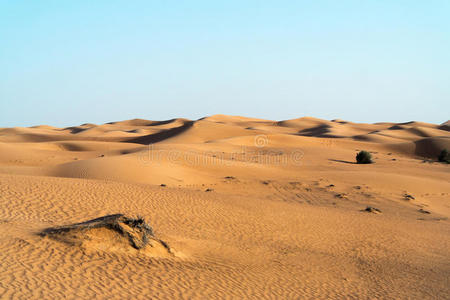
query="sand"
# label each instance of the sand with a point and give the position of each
(250, 209)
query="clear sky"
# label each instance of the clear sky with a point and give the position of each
(71, 62)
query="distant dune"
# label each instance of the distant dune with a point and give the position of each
(251, 208)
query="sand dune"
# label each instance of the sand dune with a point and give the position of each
(432, 146)
(445, 126)
(250, 208)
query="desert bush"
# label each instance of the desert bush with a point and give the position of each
(444, 156)
(363, 157)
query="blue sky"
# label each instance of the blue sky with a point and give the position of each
(71, 62)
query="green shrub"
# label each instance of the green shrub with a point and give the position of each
(444, 156)
(364, 157)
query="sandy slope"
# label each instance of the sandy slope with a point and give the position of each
(251, 208)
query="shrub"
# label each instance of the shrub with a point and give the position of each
(444, 156)
(363, 157)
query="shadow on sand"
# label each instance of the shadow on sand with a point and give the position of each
(343, 161)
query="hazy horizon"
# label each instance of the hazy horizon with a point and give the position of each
(196, 119)
(65, 64)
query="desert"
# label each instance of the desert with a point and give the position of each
(225, 207)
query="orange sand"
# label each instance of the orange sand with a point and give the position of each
(281, 218)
